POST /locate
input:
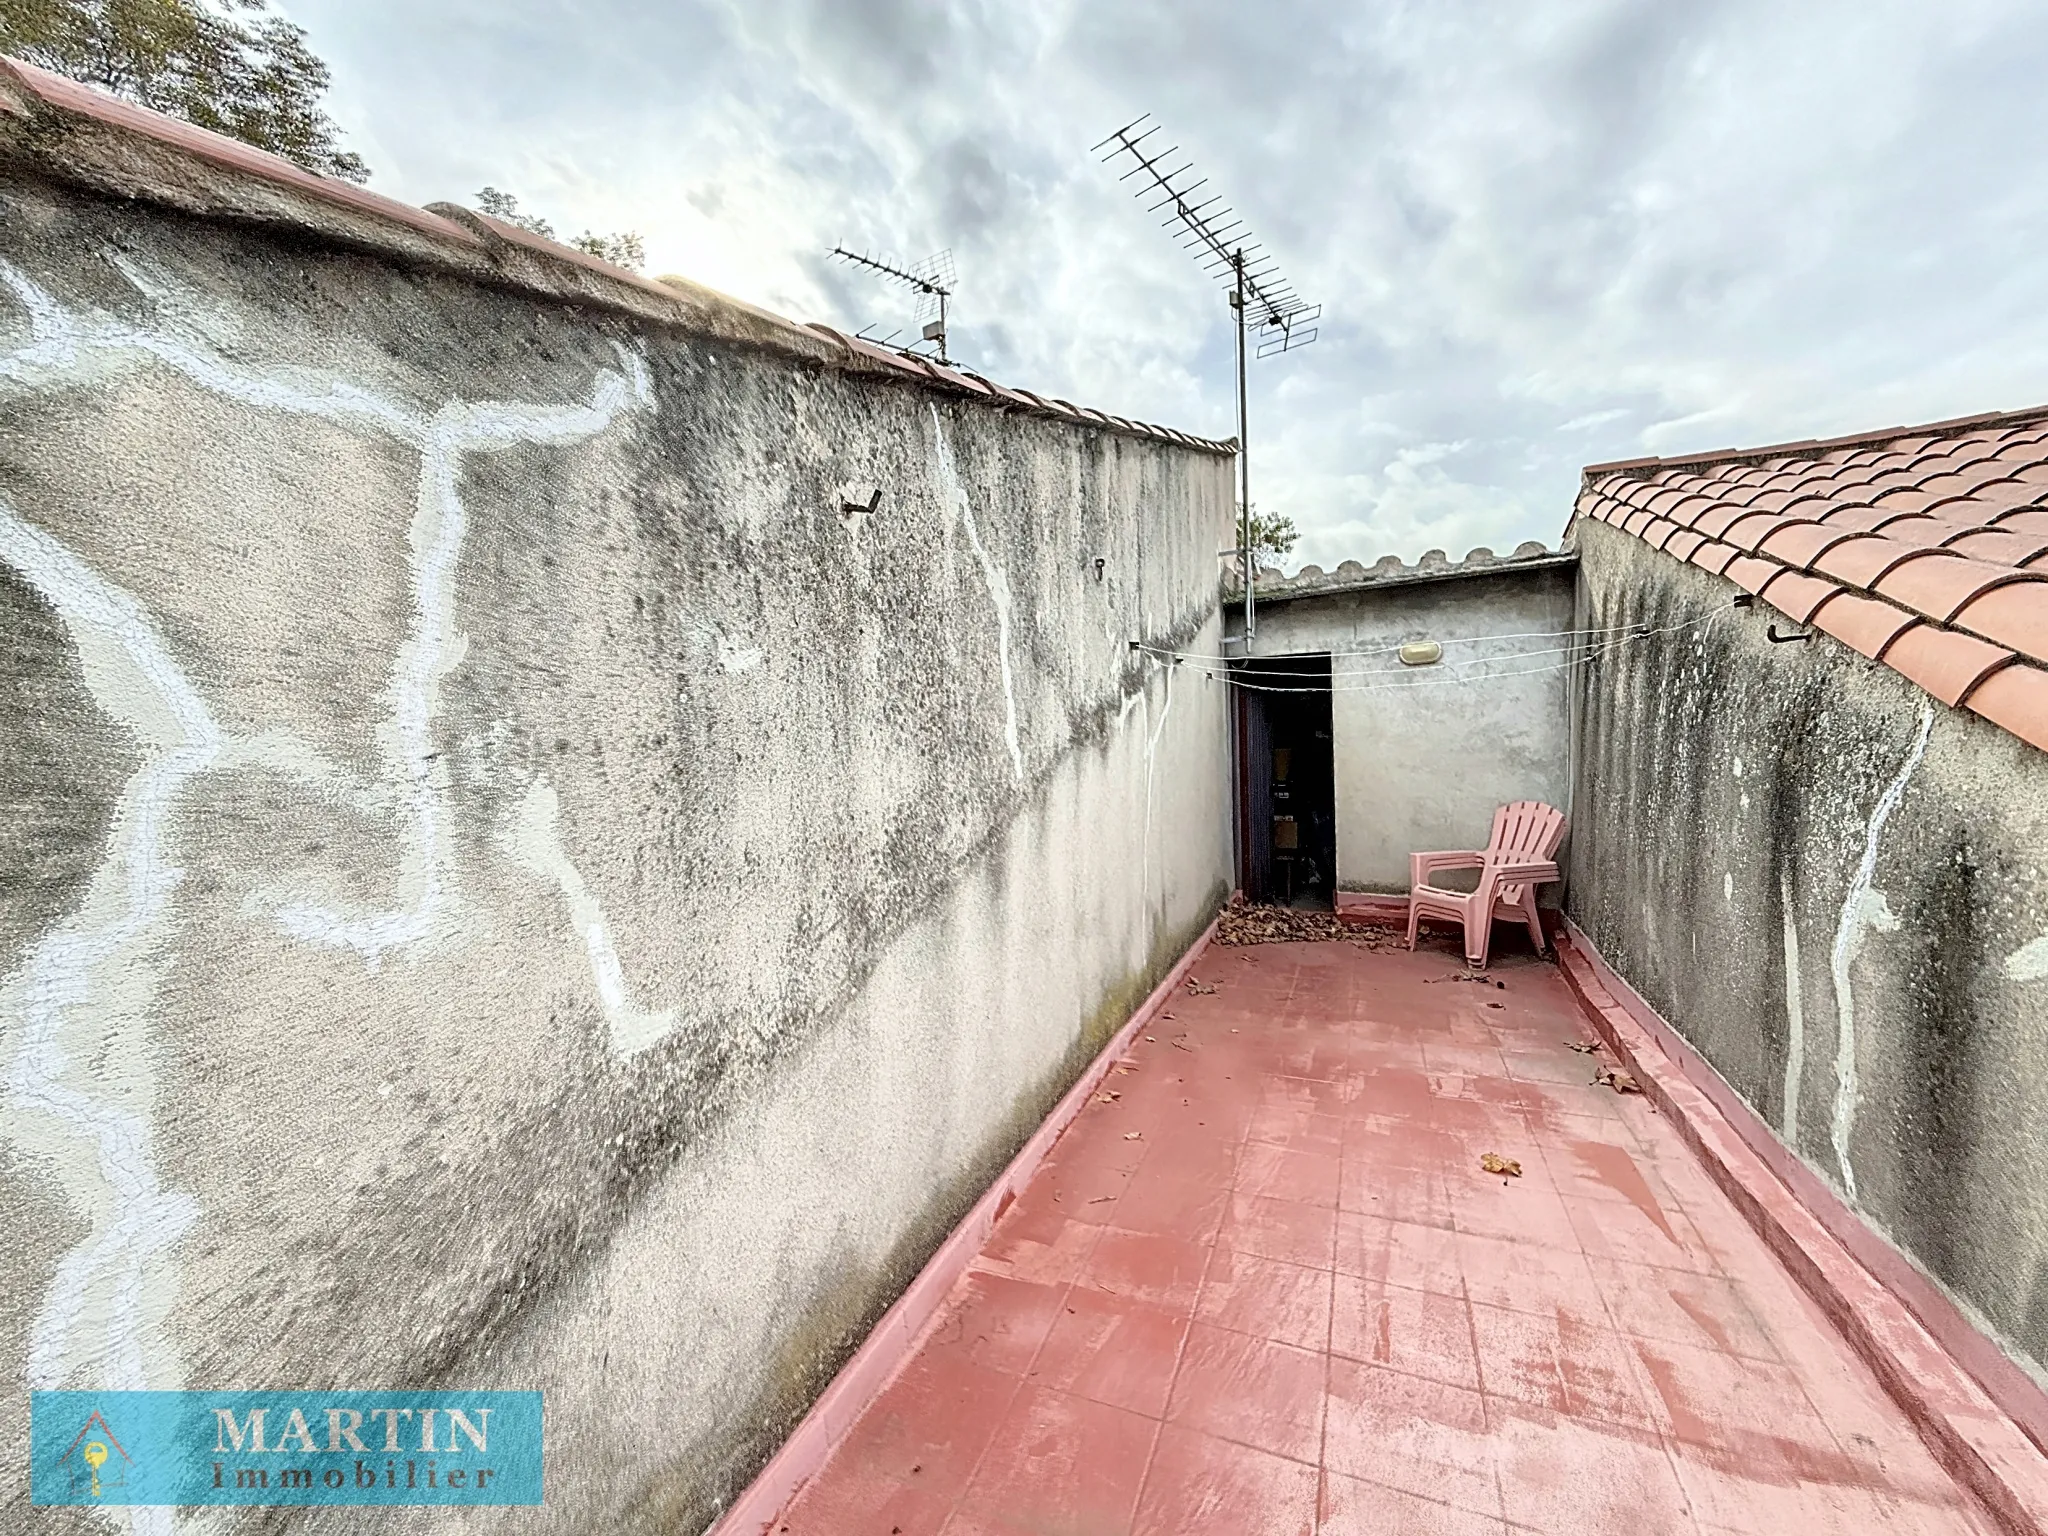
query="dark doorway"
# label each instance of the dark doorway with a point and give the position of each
(1287, 788)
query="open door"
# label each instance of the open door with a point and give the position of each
(1286, 814)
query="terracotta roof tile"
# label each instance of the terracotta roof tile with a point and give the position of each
(1798, 596)
(1801, 544)
(2015, 615)
(1683, 543)
(1925, 548)
(1864, 623)
(1939, 588)
(2016, 698)
(1945, 663)
(1864, 562)
(1751, 531)
(1717, 522)
(2000, 546)
(1751, 572)
(1713, 556)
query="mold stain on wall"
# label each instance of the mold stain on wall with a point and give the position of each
(83, 995)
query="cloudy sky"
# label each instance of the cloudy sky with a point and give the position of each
(1545, 232)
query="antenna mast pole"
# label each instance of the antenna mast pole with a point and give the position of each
(1218, 239)
(1249, 559)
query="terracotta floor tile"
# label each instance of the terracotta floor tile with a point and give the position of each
(1417, 1436)
(1352, 1507)
(1603, 1347)
(994, 1320)
(1420, 1333)
(1280, 1229)
(1112, 1349)
(1201, 1486)
(1565, 1477)
(1267, 1298)
(1525, 1277)
(1254, 1391)
(1288, 1173)
(1162, 1198)
(1565, 1362)
(1057, 1463)
(1402, 1253)
(1419, 1196)
(1036, 1241)
(1611, 1229)
(1523, 1210)
(1150, 1267)
(1679, 1307)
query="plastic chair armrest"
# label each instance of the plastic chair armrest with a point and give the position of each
(1422, 865)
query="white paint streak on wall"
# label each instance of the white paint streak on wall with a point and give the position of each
(2029, 962)
(83, 994)
(535, 837)
(1151, 756)
(1795, 1012)
(998, 587)
(1863, 909)
(433, 650)
(65, 347)
(80, 1085)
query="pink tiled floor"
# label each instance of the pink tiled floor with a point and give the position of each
(1265, 1290)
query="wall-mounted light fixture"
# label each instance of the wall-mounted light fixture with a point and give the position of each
(1421, 653)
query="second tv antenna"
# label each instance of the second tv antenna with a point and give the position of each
(932, 280)
(1218, 239)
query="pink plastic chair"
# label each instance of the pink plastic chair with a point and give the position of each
(1518, 858)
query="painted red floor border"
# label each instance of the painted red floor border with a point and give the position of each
(1927, 1354)
(894, 1338)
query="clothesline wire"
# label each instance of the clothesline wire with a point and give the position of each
(1239, 679)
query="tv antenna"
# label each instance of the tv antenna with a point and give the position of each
(932, 280)
(1221, 243)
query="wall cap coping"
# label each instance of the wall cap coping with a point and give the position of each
(75, 135)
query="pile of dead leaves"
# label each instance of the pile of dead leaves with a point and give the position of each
(1243, 922)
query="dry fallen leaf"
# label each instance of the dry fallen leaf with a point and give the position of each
(1109, 1097)
(1496, 1005)
(1618, 1080)
(1134, 1135)
(1493, 1162)
(1584, 1047)
(1199, 988)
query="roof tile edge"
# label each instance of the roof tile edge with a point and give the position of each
(75, 135)
(1813, 447)
(1391, 570)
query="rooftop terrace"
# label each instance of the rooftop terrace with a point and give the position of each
(1262, 1284)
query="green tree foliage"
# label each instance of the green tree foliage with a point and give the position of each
(227, 65)
(1272, 533)
(623, 250)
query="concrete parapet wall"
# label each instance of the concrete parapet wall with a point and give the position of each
(545, 841)
(1833, 887)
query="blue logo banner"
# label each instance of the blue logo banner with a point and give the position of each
(285, 1447)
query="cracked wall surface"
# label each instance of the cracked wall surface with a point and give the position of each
(1833, 886)
(506, 883)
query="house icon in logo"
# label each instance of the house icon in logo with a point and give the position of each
(94, 1446)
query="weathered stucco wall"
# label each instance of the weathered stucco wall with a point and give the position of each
(1425, 755)
(504, 880)
(1834, 886)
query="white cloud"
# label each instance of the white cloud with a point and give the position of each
(1553, 233)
